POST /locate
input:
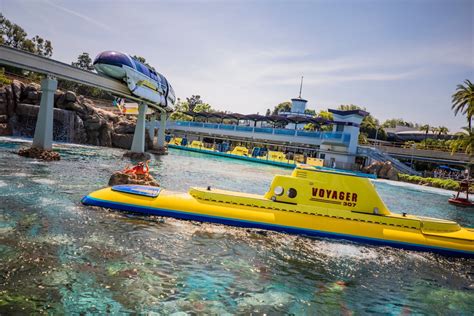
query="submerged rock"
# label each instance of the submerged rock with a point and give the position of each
(267, 299)
(159, 150)
(32, 152)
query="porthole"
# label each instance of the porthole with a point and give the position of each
(292, 193)
(278, 191)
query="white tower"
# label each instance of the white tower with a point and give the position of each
(298, 105)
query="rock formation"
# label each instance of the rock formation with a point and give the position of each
(76, 118)
(31, 152)
(124, 178)
(384, 170)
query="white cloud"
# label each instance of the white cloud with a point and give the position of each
(80, 16)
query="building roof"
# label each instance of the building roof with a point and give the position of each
(299, 99)
(270, 118)
(349, 112)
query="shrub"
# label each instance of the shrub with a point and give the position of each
(450, 185)
(3, 79)
(447, 184)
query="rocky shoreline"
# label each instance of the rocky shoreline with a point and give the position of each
(76, 118)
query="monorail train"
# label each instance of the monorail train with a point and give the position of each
(142, 80)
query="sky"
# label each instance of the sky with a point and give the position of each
(397, 58)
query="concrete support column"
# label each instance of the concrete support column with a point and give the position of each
(43, 137)
(151, 128)
(138, 144)
(161, 130)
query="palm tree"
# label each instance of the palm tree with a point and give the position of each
(425, 128)
(463, 100)
(434, 130)
(464, 141)
(442, 130)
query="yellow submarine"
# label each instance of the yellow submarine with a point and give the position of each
(312, 201)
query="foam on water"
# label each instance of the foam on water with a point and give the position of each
(21, 174)
(44, 181)
(341, 249)
(14, 139)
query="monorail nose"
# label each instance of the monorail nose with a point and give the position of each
(113, 58)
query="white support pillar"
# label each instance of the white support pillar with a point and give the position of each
(161, 131)
(138, 144)
(151, 128)
(43, 138)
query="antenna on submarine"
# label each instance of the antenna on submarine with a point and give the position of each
(301, 86)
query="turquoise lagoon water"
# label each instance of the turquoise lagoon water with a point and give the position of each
(60, 257)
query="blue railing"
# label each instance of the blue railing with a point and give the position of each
(227, 127)
(263, 130)
(279, 131)
(332, 135)
(244, 128)
(309, 134)
(195, 124)
(337, 137)
(210, 125)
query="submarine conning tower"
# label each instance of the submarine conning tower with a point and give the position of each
(312, 186)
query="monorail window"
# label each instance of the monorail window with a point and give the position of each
(142, 68)
(153, 75)
(163, 82)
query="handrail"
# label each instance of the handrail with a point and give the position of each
(335, 136)
(418, 146)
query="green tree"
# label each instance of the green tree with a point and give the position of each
(13, 35)
(463, 100)
(425, 128)
(348, 107)
(318, 126)
(42, 47)
(464, 142)
(282, 107)
(192, 104)
(143, 61)
(369, 126)
(193, 101)
(443, 130)
(392, 123)
(84, 61)
(310, 112)
(434, 130)
(326, 115)
(3, 79)
(203, 107)
(363, 139)
(180, 108)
